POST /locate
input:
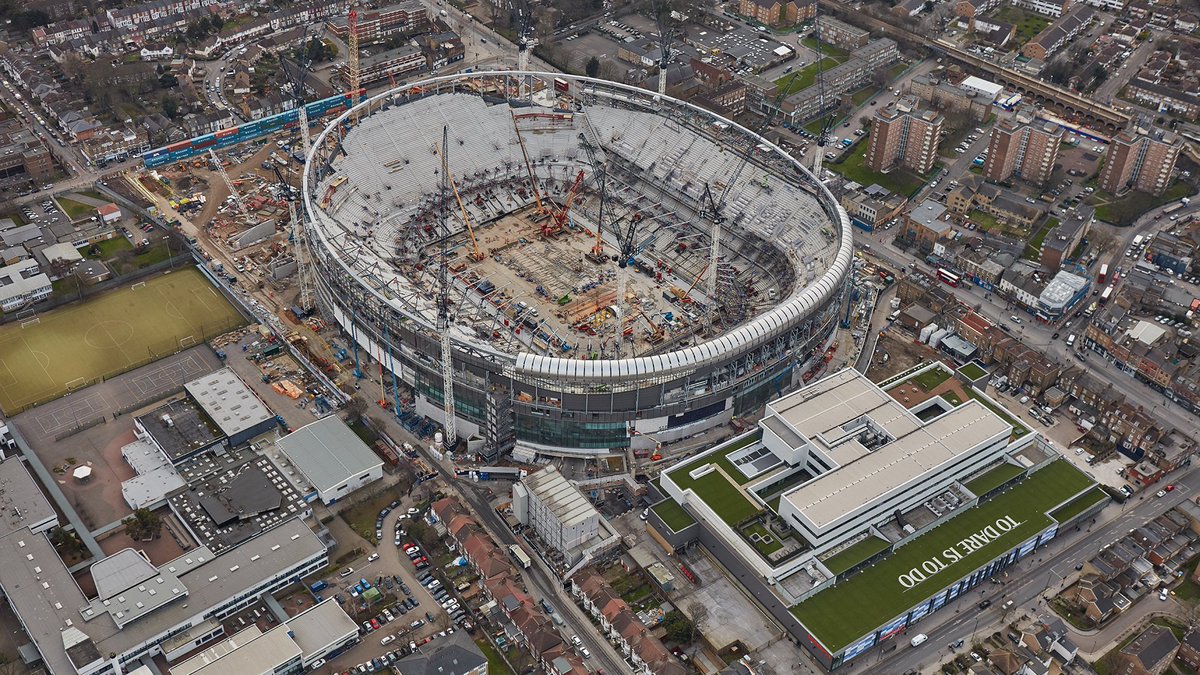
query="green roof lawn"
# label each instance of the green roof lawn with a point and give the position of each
(723, 497)
(673, 514)
(994, 478)
(1080, 504)
(680, 475)
(840, 615)
(854, 554)
(972, 371)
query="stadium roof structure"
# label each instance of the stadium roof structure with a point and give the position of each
(665, 141)
(328, 453)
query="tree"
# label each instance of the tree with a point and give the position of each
(678, 628)
(217, 22)
(593, 67)
(143, 524)
(170, 107)
(355, 408)
(31, 18)
(67, 543)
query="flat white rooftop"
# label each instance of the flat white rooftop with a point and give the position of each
(562, 498)
(831, 412)
(229, 401)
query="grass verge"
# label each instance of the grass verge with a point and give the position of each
(75, 210)
(853, 166)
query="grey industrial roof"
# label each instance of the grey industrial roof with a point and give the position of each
(235, 488)
(319, 626)
(264, 654)
(22, 504)
(180, 428)
(328, 453)
(228, 401)
(124, 569)
(214, 652)
(1062, 288)
(562, 498)
(818, 413)
(454, 655)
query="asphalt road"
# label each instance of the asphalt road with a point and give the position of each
(1049, 569)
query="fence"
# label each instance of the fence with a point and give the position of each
(153, 353)
(108, 285)
(81, 426)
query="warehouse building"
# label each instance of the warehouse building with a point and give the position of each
(238, 412)
(332, 458)
(138, 607)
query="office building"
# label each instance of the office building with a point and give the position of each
(23, 283)
(1140, 158)
(1024, 146)
(847, 487)
(332, 458)
(904, 135)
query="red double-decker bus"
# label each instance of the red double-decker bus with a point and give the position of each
(949, 278)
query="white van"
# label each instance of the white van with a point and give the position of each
(919, 639)
(1071, 340)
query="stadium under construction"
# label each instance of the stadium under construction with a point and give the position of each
(611, 269)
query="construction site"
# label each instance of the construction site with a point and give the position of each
(574, 248)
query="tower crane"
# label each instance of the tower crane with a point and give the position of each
(525, 43)
(599, 176)
(443, 317)
(237, 199)
(713, 208)
(533, 185)
(295, 206)
(827, 124)
(666, 33)
(466, 218)
(352, 58)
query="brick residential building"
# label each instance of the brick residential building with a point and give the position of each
(1140, 158)
(409, 18)
(1023, 146)
(778, 13)
(902, 134)
(839, 34)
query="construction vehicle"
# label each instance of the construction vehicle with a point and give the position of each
(560, 218)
